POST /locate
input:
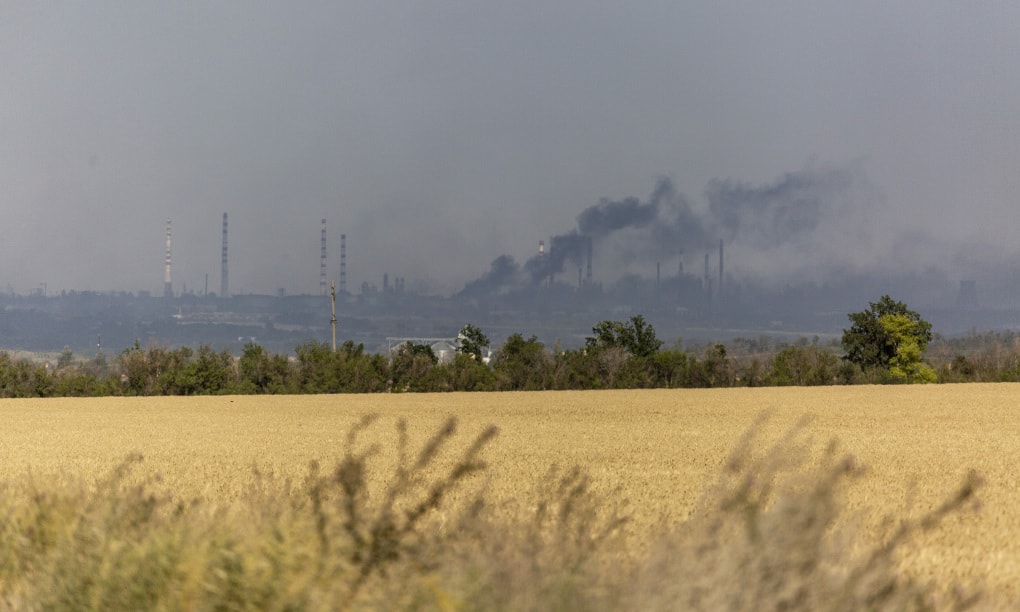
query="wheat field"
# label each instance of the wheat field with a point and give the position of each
(657, 449)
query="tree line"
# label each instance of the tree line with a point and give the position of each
(887, 343)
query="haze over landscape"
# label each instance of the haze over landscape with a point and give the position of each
(819, 141)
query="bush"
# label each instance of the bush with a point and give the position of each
(804, 366)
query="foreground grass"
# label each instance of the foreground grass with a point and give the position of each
(653, 453)
(773, 532)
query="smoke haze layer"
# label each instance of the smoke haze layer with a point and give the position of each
(813, 224)
(438, 136)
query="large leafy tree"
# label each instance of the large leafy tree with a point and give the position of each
(412, 367)
(887, 335)
(637, 337)
(804, 365)
(522, 364)
(473, 342)
(261, 372)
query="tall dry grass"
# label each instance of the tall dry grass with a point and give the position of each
(773, 532)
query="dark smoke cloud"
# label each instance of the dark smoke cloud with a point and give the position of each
(595, 223)
(607, 217)
(770, 215)
(503, 273)
(571, 247)
(800, 210)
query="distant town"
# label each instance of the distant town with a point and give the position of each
(682, 307)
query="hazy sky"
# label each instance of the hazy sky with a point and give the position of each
(439, 135)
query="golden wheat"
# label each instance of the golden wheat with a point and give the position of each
(657, 447)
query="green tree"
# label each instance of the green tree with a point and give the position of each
(207, 373)
(316, 370)
(623, 352)
(637, 337)
(887, 335)
(75, 382)
(472, 342)
(804, 366)
(466, 374)
(906, 365)
(359, 372)
(66, 358)
(346, 370)
(576, 369)
(412, 367)
(260, 372)
(522, 365)
(156, 370)
(714, 369)
(671, 369)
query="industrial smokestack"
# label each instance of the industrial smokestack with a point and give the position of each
(541, 258)
(322, 260)
(720, 269)
(681, 273)
(553, 254)
(168, 290)
(343, 263)
(224, 284)
(658, 278)
(589, 258)
(708, 280)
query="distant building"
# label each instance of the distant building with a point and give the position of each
(444, 351)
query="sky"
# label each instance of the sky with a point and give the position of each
(440, 135)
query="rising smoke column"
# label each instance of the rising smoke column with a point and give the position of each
(765, 216)
(503, 273)
(814, 225)
(816, 214)
(593, 223)
(606, 216)
(571, 247)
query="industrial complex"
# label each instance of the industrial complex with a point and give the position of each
(542, 297)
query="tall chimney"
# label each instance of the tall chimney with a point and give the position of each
(343, 263)
(322, 260)
(707, 279)
(658, 278)
(224, 284)
(720, 270)
(552, 248)
(681, 263)
(589, 258)
(168, 290)
(541, 248)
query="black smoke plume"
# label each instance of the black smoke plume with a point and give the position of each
(607, 217)
(503, 273)
(770, 215)
(755, 218)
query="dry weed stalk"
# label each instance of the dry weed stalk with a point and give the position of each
(772, 533)
(380, 535)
